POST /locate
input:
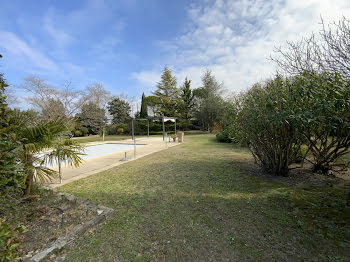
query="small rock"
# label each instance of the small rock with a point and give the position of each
(99, 211)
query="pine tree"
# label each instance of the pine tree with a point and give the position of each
(143, 111)
(209, 101)
(120, 110)
(186, 100)
(166, 94)
(185, 105)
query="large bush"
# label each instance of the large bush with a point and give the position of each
(231, 127)
(268, 124)
(277, 117)
(10, 241)
(117, 129)
(11, 175)
(323, 112)
(11, 178)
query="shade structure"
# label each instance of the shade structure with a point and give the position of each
(162, 118)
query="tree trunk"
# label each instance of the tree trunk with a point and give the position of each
(30, 175)
(103, 133)
(59, 169)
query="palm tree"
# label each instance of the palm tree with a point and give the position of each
(37, 136)
(65, 151)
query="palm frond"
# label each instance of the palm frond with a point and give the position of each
(44, 174)
(67, 151)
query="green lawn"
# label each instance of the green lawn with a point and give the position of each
(196, 202)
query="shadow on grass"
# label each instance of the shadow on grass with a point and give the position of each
(197, 202)
(200, 227)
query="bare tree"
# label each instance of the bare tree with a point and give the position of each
(41, 92)
(98, 95)
(11, 98)
(329, 51)
(71, 99)
(42, 95)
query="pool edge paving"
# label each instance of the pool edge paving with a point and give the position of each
(98, 164)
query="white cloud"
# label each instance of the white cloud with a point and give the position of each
(60, 37)
(235, 38)
(18, 50)
(147, 79)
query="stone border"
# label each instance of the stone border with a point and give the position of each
(102, 213)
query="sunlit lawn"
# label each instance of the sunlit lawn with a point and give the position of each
(195, 202)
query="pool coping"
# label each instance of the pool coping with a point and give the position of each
(86, 172)
(105, 155)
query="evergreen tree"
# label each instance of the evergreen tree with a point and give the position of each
(143, 111)
(186, 104)
(92, 117)
(186, 100)
(209, 102)
(166, 94)
(120, 110)
(11, 176)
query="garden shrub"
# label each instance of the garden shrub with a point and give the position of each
(78, 133)
(268, 124)
(11, 178)
(223, 136)
(10, 241)
(231, 125)
(117, 129)
(11, 175)
(323, 106)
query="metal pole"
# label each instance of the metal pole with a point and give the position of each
(132, 129)
(148, 128)
(134, 148)
(163, 129)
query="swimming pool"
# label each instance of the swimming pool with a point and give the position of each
(102, 149)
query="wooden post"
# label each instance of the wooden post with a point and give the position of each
(175, 127)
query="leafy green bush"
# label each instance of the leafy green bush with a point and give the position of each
(322, 112)
(10, 241)
(11, 175)
(232, 132)
(281, 115)
(78, 133)
(268, 124)
(117, 129)
(222, 136)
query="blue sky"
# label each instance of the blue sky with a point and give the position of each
(125, 44)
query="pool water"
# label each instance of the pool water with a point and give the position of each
(102, 149)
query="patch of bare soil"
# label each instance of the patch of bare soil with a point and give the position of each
(46, 215)
(301, 177)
